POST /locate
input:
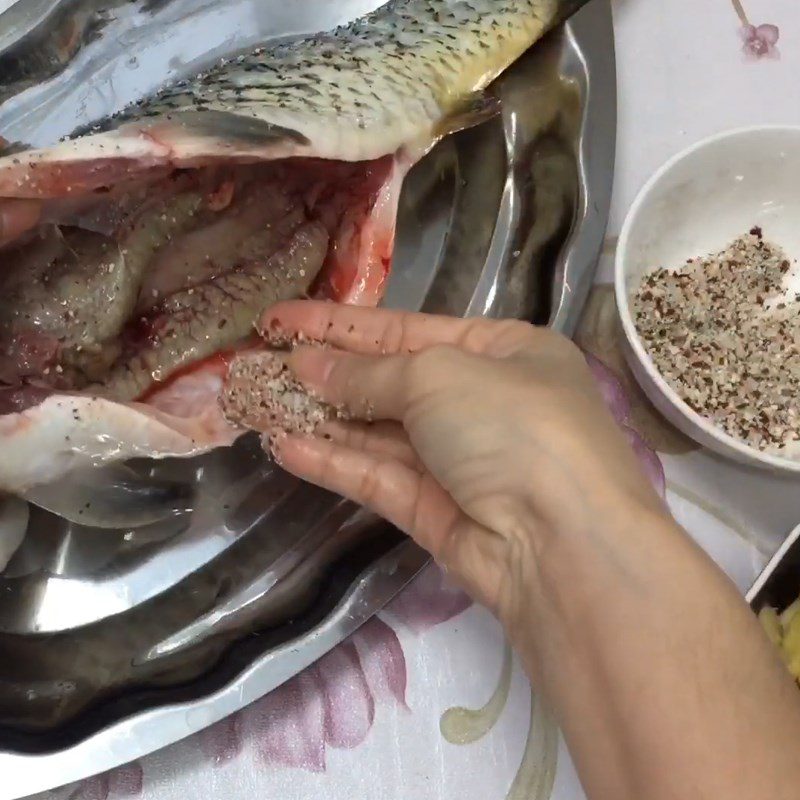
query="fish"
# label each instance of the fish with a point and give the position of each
(167, 229)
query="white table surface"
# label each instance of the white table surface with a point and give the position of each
(367, 722)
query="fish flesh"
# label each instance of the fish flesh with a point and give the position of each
(167, 229)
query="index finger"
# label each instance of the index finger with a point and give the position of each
(381, 331)
(16, 217)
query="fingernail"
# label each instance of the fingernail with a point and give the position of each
(312, 366)
(271, 330)
(277, 335)
(272, 442)
(269, 325)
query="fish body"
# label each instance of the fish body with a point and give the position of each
(393, 80)
(334, 121)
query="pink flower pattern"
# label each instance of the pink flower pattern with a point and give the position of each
(332, 703)
(118, 784)
(620, 407)
(428, 602)
(760, 41)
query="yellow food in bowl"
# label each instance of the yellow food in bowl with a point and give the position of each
(784, 631)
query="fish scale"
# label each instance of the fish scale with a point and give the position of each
(370, 88)
(386, 84)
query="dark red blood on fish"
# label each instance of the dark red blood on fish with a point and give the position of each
(360, 254)
(143, 331)
(218, 364)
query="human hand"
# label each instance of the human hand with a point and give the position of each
(491, 444)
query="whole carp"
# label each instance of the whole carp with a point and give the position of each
(169, 228)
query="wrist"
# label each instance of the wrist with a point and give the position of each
(568, 573)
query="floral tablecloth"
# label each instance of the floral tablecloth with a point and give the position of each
(427, 701)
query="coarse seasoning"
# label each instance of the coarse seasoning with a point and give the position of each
(724, 331)
(262, 394)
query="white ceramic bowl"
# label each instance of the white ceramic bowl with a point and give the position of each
(697, 203)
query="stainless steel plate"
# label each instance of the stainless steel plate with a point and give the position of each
(778, 585)
(116, 642)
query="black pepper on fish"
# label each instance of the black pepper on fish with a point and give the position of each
(342, 116)
(173, 281)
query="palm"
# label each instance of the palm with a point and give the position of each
(471, 424)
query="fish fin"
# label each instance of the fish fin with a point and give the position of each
(112, 497)
(179, 139)
(225, 126)
(8, 148)
(68, 432)
(477, 109)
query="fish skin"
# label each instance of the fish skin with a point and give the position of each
(384, 83)
(370, 88)
(66, 432)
